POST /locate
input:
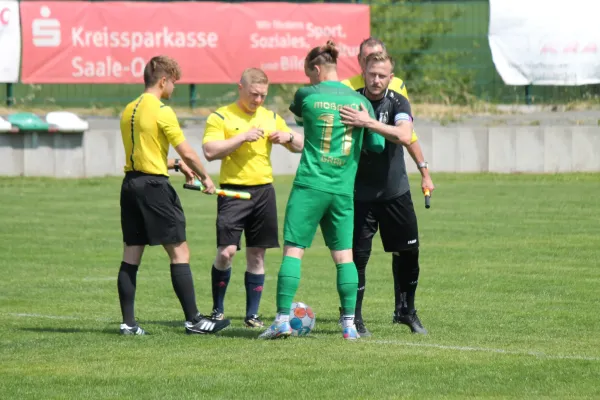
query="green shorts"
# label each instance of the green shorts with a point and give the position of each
(308, 208)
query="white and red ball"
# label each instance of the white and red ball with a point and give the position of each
(302, 319)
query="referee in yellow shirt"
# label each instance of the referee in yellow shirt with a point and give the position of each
(241, 134)
(151, 213)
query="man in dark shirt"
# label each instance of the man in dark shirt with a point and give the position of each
(382, 193)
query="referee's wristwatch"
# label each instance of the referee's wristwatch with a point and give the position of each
(291, 138)
(176, 166)
(423, 165)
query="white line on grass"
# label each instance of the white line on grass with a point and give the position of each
(487, 350)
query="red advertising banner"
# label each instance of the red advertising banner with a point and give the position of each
(110, 42)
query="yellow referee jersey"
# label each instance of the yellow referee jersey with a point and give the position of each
(358, 82)
(396, 84)
(147, 128)
(249, 164)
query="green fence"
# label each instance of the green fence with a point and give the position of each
(445, 55)
(441, 48)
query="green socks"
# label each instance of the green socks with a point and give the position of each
(288, 281)
(347, 285)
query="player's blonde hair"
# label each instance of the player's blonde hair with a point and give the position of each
(380, 56)
(322, 55)
(254, 75)
(161, 67)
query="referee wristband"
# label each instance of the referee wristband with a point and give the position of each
(176, 166)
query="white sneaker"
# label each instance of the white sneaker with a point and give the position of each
(131, 330)
(350, 333)
(277, 330)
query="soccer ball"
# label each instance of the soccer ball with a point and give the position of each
(302, 319)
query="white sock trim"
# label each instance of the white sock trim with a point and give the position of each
(348, 320)
(282, 317)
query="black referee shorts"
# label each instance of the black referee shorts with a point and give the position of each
(395, 219)
(257, 217)
(151, 213)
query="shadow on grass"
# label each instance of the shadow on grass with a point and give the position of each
(320, 331)
(237, 332)
(169, 324)
(180, 323)
(110, 331)
(229, 332)
(253, 334)
(236, 329)
(326, 320)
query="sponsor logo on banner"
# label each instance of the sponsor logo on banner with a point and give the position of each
(45, 31)
(10, 41)
(108, 42)
(544, 43)
(4, 16)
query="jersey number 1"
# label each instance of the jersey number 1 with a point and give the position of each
(328, 132)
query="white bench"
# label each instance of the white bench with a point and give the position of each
(5, 126)
(65, 121)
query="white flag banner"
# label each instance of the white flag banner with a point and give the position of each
(10, 41)
(543, 42)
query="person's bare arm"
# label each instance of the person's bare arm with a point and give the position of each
(218, 149)
(192, 160)
(168, 123)
(171, 163)
(400, 133)
(283, 138)
(297, 144)
(190, 176)
(416, 153)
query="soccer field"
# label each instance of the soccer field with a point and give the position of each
(509, 290)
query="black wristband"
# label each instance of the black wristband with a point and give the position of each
(176, 167)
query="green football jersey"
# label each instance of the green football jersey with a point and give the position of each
(331, 149)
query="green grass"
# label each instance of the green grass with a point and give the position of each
(508, 289)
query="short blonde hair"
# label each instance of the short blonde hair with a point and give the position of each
(161, 67)
(370, 42)
(380, 56)
(254, 75)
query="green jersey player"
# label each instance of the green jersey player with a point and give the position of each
(324, 186)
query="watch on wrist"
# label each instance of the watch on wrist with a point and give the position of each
(423, 164)
(291, 137)
(176, 166)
